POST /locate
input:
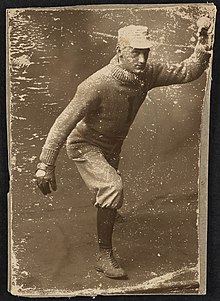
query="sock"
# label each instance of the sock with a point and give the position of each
(105, 225)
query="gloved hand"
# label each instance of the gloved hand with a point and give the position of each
(45, 176)
(205, 31)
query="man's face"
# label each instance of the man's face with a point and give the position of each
(133, 59)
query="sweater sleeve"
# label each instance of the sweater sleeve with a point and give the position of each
(85, 99)
(183, 72)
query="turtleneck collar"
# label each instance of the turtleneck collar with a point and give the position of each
(124, 76)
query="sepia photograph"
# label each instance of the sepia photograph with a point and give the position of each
(108, 129)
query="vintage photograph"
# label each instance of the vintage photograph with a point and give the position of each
(108, 124)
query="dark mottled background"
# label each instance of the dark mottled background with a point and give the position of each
(54, 238)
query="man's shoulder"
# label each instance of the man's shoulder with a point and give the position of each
(97, 79)
(151, 65)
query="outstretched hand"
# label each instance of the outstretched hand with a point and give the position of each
(45, 176)
(205, 31)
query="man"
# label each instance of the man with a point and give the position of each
(98, 118)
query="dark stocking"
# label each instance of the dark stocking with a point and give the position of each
(105, 225)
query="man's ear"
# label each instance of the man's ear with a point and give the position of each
(118, 50)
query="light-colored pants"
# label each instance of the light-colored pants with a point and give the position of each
(100, 174)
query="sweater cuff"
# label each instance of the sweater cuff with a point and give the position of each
(202, 53)
(48, 156)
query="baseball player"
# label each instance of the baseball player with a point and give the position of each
(97, 120)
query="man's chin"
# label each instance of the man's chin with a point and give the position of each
(139, 70)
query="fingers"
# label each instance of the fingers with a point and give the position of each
(46, 180)
(53, 184)
(205, 27)
(203, 32)
(46, 188)
(43, 186)
(204, 22)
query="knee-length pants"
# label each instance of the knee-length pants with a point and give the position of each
(100, 174)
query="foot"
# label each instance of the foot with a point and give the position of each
(107, 264)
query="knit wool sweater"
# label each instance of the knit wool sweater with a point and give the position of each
(106, 103)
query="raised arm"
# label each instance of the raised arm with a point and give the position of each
(189, 69)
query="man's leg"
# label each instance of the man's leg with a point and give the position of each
(104, 181)
(105, 225)
(106, 262)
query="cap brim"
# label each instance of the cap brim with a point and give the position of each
(142, 44)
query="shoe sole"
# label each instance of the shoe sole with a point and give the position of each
(110, 276)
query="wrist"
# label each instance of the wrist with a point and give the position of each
(44, 166)
(48, 156)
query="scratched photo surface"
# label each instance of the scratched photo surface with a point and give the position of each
(53, 238)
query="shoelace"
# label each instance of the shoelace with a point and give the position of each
(112, 260)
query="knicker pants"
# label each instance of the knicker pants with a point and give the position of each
(99, 173)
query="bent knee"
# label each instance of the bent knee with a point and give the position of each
(110, 196)
(116, 186)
